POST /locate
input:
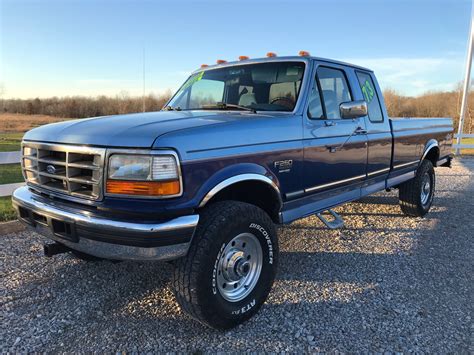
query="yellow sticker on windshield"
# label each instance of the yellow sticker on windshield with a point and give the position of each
(192, 80)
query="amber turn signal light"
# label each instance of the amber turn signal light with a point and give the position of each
(143, 188)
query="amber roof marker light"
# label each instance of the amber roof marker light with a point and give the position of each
(271, 54)
(204, 65)
(304, 54)
(221, 61)
(243, 57)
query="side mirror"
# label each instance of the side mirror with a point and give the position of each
(353, 109)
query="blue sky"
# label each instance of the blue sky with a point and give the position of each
(72, 47)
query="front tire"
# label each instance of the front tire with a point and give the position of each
(230, 267)
(416, 195)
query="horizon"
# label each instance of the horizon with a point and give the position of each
(66, 49)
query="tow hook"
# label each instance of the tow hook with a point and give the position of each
(55, 248)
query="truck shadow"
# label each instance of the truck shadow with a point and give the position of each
(366, 283)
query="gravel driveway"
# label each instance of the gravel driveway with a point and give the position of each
(384, 283)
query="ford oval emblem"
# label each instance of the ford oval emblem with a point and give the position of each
(51, 169)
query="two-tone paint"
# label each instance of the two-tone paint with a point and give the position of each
(325, 162)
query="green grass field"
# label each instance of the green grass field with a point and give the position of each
(10, 173)
(10, 142)
(7, 212)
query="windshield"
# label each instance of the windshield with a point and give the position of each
(270, 86)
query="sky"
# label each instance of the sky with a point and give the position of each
(84, 47)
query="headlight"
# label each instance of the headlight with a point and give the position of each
(145, 175)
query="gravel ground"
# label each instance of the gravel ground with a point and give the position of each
(384, 283)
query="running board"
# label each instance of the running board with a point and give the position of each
(336, 223)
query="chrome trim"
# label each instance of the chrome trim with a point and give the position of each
(122, 252)
(353, 109)
(239, 178)
(67, 149)
(405, 164)
(319, 187)
(378, 171)
(427, 150)
(25, 198)
(111, 152)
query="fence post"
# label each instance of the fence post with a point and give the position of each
(467, 83)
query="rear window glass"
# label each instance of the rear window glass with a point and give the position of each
(370, 96)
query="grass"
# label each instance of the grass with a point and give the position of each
(15, 122)
(13, 126)
(10, 173)
(466, 141)
(7, 213)
(10, 141)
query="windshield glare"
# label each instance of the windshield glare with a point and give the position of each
(264, 86)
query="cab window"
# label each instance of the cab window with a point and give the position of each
(335, 90)
(370, 96)
(315, 108)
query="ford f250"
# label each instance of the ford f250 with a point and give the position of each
(240, 148)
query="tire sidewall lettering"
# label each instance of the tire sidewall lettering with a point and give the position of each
(268, 240)
(214, 270)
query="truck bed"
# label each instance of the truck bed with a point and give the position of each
(412, 135)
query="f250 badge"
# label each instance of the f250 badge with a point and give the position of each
(283, 166)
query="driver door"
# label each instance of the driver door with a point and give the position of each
(335, 149)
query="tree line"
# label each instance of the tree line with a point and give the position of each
(431, 104)
(81, 106)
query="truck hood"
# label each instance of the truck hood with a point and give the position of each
(132, 130)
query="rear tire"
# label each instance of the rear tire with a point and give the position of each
(230, 267)
(416, 195)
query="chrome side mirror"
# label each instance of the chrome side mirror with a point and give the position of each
(353, 109)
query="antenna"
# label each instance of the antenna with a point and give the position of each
(143, 96)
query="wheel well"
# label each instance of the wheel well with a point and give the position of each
(433, 155)
(257, 193)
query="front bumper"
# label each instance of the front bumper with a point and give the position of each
(104, 237)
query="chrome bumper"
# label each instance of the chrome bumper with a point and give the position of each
(102, 237)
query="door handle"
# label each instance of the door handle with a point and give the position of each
(328, 123)
(360, 130)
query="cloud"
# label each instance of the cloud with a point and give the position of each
(414, 76)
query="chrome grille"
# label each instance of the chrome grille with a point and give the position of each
(72, 170)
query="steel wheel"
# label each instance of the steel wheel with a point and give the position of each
(425, 189)
(239, 267)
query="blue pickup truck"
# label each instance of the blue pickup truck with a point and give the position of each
(240, 148)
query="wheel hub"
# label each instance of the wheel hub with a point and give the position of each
(239, 267)
(425, 189)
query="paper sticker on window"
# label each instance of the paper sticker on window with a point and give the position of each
(368, 91)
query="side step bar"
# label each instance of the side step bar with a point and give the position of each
(337, 222)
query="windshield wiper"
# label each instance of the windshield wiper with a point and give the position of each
(226, 106)
(171, 108)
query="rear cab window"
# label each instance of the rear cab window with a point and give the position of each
(370, 96)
